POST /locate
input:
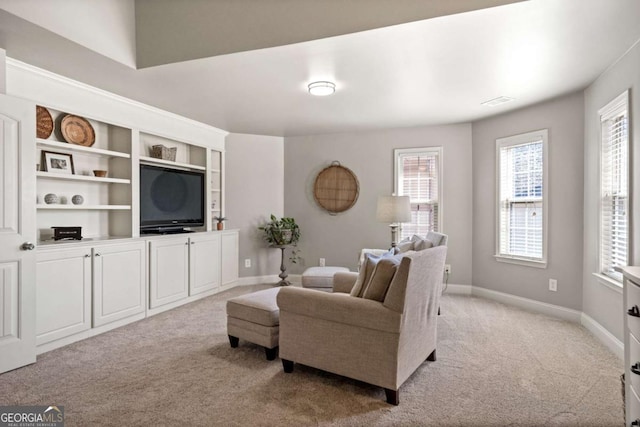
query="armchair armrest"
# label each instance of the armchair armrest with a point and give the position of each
(340, 308)
(343, 282)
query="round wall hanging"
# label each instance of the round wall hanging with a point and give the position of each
(336, 188)
(77, 130)
(44, 122)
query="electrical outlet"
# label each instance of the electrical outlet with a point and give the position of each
(322, 262)
(247, 263)
(447, 268)
(553, 285)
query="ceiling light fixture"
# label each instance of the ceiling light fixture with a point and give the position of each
(497, 101)
(322, 88)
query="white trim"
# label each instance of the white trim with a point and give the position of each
(608, 282)
(458, 289)
(439, 151)
(67, 81)
(529, 304)
(511, 141)
(521, 261)
(603, 335)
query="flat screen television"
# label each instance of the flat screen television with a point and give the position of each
(170, 199)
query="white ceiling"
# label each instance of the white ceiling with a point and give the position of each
(433, 71)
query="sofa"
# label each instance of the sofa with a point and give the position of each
(379, 336)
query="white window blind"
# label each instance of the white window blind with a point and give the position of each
(417, 175)
(521, 197)
(614, 187)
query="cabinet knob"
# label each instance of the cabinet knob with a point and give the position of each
(87, 256)
(27, 246)
(635, 423)
(634, 311)
(636, 368)
(193, 243)
(97, 253)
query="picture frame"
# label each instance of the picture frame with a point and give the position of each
(57, 163)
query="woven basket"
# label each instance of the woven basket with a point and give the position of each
(164, 153)
(336, 188)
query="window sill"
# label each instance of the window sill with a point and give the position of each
(608, 282)
(521, 261)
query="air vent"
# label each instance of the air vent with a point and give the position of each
(497, 101)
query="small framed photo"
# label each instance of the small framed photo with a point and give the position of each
(57, 162)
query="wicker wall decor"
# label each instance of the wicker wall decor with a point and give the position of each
(336, 188)
(44, 122)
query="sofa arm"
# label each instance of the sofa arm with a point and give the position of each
(343, 282)
(340, 308)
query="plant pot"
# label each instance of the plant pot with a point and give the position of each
(220, 226)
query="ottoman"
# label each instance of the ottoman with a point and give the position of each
(255, 317)
(320, 278)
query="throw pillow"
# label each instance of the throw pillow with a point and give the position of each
(364, 274)
(404, 246)
(422, 244)
(381, 278)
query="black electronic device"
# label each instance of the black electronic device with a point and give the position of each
(171, 199)
(71, 233)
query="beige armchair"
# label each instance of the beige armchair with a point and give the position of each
(378, 342)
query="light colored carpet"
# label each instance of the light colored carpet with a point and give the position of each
(497, 366)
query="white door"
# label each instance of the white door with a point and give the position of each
(168, 270)
(63, 293)
(118, 282)
(17, 233)
(204, 256)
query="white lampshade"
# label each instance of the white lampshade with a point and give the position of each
(322, 88)
(394, 209)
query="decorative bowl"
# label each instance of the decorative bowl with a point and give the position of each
(100, 173)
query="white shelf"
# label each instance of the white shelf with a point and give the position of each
(145, 159)
(55, 206)
(49, 175)
(215, 190)
(215, 171)
(81, 149)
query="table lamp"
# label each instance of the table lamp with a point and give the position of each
(394, 210)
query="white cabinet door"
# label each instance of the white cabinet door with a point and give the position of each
(168, 270)
(63, 301)
(118, 282)
(204, 257)
(229, 256)
(17, 233)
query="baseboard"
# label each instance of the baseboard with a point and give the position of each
(458, 289)
(529, 304)
(606, 337)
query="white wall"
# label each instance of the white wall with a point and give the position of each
(370, 156)
(104, 26)
(254, 189)
(563, 117)
(3, 71)
(604, 303)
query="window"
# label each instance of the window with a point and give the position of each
(418, 175)
(522, 199)
(614, 186)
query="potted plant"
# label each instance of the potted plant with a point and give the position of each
(220, 219)
(282, 232)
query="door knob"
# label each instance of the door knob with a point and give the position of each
(27, 246)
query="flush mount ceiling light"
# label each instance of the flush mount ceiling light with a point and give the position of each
(497, 101)
(322, 88)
